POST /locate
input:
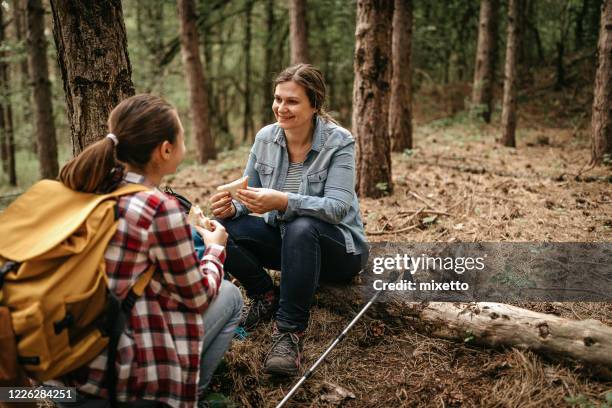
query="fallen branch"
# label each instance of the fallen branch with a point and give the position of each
(494, 325)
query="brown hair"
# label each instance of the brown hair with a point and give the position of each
(311, 78)
(141, 123)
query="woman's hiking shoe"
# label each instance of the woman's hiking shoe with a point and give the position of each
(285, 356)
(261, 309)
(216, 400)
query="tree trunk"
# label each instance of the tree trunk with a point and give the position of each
(400, 106)
(24, 77)
(43, 103)
(299, 31)
(509, 115)
(579, 29)
(371, 92)
(247, 121)
(484, 70)
(92, 54)
(266, 106)
(194, 74)
(601, 121)
(6, 111)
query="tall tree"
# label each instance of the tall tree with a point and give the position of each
(93, 58)
(6, 111)
(484, 70)
(400, 107)
(371, 92)
(509, 115)
(20, 36)
(269, 62)
(43, 104)
(601, 121)
(299, 31)
(196, 82)
(247, 121)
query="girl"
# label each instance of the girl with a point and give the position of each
(180, 328)
(301, 178)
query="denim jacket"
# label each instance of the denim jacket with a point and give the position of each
(327, 190)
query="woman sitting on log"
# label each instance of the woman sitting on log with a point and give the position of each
(301, 177)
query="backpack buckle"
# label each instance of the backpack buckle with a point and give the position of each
(9, 266)
(65, 323)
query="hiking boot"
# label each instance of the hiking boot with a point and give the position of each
(285, 356)
(261, 309)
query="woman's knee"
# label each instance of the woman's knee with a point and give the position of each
(301, 226)
(231, 296)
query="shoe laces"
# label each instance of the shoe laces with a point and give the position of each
(285, 344)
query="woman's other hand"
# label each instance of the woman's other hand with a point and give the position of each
(262, 200)
(222, 206)
(216, 235)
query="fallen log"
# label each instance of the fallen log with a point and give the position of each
(495, 325)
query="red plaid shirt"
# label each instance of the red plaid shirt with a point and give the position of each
(160, 349)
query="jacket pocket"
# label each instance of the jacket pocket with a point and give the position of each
(265, 172)
(316, 182)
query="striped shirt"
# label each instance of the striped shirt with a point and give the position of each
(294, 178)
(160, 350)
(292, 183)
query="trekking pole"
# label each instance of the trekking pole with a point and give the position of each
(338, 339)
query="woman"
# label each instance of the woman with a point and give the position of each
(301, 177)
(180, 328)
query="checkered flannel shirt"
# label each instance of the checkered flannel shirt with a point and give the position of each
(159, 352)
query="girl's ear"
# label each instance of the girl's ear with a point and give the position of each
(165, 149)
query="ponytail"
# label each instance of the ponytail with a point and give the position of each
(138, 125)
(92, 169)
(323, 114)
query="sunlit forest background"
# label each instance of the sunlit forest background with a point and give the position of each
(556, 64)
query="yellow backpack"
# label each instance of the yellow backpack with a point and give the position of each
(53, 277)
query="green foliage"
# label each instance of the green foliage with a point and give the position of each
(382, 186)
(582, 401)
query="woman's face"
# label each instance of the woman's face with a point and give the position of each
(291, 106)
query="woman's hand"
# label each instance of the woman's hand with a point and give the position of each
(216, 235)
(262, 200)
(222, 206)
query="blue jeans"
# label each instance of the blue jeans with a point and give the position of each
(220, 320)
(310, 250)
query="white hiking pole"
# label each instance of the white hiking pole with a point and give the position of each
(329, 349)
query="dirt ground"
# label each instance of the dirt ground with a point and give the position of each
(478, 191)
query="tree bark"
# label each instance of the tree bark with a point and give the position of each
(43, 103)
(92, 54)
(20, 35)
(196, 82)
(299, 31)
(269, 63)
(247, 120)
(484, 70)
(6, 111)
(371, 94)
(601, 121)
(509, 115)
(400, 106)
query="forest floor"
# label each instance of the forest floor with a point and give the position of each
(478, 191)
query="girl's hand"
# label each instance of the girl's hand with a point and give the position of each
(222, 206)
(217, 234)
(262, 200)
